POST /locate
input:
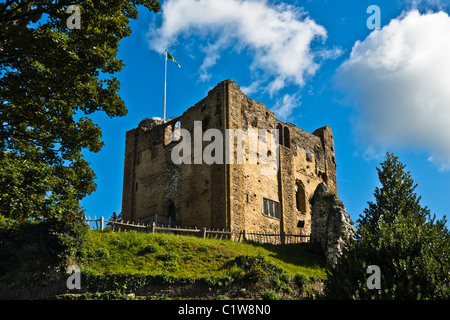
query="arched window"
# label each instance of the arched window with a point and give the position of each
(287, 138)
(300, 196)
(176, 132)
(280, 133)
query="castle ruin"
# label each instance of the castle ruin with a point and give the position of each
(232, 196)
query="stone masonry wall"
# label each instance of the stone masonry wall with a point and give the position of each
(226, 195)
(330, 222)
(152, 181)
(303, 162)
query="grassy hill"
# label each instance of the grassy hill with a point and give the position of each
(186, 256)
(33, 260)
(133, 261)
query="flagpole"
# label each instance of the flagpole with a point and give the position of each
(165, 86)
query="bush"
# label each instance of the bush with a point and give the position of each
(216, 281)
(121, 244)
(285, 277)
(258, 271)
(188, 257)
(38, 245)
(101, 253)
(168, 256)
(124, 282)
(149, 248)
(301, 280)
(162, 241)
(269, 295)
(164, 278)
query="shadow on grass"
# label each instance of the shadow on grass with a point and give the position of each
(301, 254)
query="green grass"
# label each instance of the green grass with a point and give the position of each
(186, 256)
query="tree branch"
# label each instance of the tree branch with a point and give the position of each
(5, 5)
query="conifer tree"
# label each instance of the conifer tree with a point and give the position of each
(401, 237)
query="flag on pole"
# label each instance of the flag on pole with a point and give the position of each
(169, 57)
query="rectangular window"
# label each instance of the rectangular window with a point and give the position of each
(265, 210)
(271, 208)
(277, 210)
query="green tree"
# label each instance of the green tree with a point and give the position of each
(402, 238)
(395, 197)
(51, 79)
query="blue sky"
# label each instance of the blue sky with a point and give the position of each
(314, 63)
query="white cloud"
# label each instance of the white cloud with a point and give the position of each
(278, 37)
(426, 4)
(252, 88)
(284, 107)
(211, 56)
(399, 78)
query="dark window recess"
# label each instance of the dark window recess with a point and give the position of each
(172, 214)
(287, 137)
(284, 136)
(300, 197)
(280, 133)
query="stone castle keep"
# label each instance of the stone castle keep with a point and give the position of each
(233, 196)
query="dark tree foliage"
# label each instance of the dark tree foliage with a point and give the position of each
(400, 236)
(51, 79)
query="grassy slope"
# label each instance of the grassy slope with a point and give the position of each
(186, 256)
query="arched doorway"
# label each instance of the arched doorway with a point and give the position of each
(172, 214)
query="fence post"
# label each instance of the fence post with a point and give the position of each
(204, 232)
(283, 237)
(153, 227)
(243, 236)
(101, 223)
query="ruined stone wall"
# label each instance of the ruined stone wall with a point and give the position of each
(331, 224)
(309, 169)
(303, 162)
(248, 185)
(152, 181)
(327, 163)
(225, 195)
